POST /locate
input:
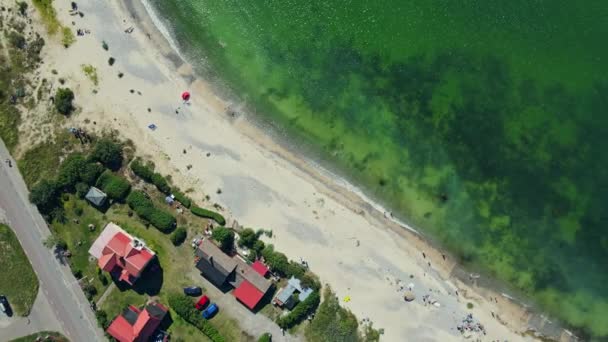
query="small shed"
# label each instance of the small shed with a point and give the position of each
(96, 197)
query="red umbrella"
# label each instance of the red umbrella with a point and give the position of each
(185, 96)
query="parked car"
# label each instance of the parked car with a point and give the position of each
(202, 303)
(5, 306)
(210, 311)
(193, 291)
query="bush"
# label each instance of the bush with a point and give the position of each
(102, 319)
(90, 172)
(17, 40)
(265, 338)
(44, 195)
(116, 187)
(248, 237)
(70, 171)
(181, 198)
(81, 190)
(208, 214)
(147, 173)
(301, 311)
(109, 153)
(161, 183)
(225, 237)
(144, 207)
(63, 101)
(333, 322)
(179, 236)
(184, 307)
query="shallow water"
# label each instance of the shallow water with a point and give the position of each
(484, 123)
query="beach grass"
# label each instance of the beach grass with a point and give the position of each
(48, 15)
(91, 72)
(34, 163)
(18, 282)
(67, 37)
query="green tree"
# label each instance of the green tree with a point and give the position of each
(332, 322)
(109, 153)
(44, 195)
(81, 189)
(70, 171)
(91, 172)
(225, 237)
(63, 101)
(258, 247)
(17, 40)
(179, 236)
(54, 241)
(22, 7)
(247, 238)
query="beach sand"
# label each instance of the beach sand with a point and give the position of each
(346, 240)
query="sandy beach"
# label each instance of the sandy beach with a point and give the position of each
(350, 243)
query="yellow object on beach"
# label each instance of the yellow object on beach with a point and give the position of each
(347, 299)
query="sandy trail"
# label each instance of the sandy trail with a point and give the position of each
(344, 240)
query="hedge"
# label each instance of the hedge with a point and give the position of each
(208, 214)
(144, 207)
(182, 198)
(147, 174)
(301, 311)
(184, 307)
(115, 187)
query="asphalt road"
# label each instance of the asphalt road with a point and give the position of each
(68, 303)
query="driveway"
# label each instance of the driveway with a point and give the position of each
(255, 324)
(41, 318)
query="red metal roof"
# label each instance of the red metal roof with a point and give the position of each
(119, 252)
(248, 294)
(259, 267)
(143, 327)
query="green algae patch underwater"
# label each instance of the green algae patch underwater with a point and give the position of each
(484, 124)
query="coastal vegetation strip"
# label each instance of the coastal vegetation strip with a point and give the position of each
(18, 281)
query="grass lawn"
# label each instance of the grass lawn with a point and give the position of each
(53, 336)
(18, 282)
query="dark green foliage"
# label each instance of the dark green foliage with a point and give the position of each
(295, 269)
(248, 237)
(44, 195)
(63, 101)
(146, 172)
(111, 61)
(208, 214)
(308, 280)
(116, 187)
(16, 39)
(81, 189)
(70, 171)
(225, 237)
(332, 322)
(89, 291)
(90, 173)
(161, 183)
(301, 311)
(109, 153)
(184, 307)
(277, 261)
(22, 7)
(266, 337)
(144, 207)
(179, 236)
(182, 198)
(102, 319)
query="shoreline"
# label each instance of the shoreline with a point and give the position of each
(323, 180)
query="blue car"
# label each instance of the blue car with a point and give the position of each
(210, 311)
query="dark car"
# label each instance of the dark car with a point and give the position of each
(5, 306)
(193, 291)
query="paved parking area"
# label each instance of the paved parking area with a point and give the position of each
(41, 318)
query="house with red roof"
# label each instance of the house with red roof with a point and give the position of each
(249, 282)
(120, 254)
(137, 325)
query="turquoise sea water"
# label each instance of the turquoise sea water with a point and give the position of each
(484, 123)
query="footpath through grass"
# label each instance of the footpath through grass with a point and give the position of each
(18, 281)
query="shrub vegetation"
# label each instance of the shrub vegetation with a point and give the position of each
(225, 237)
(109, 153)
(184, 307)
(63, 101)
(302, 310)
(144, 207)
(179, 236)
(146, 172)
(116, 187)
(208, 214)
